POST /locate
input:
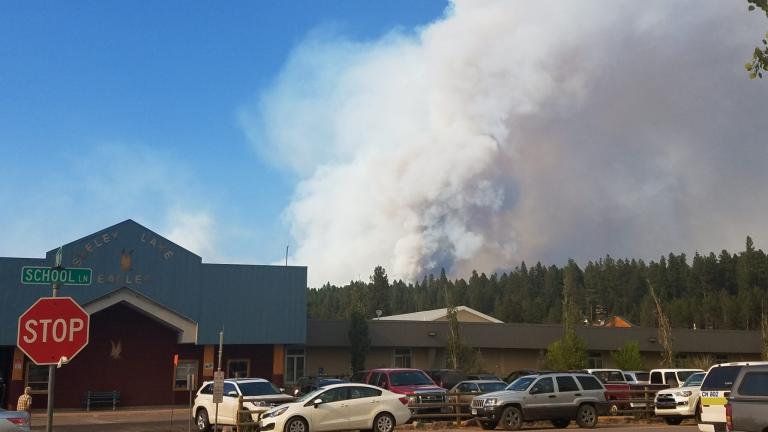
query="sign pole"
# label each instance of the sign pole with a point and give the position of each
(221, 346)
(52, 368)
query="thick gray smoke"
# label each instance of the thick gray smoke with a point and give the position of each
(518, 130)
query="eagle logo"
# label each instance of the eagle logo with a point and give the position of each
(126, 260)
(117, 349)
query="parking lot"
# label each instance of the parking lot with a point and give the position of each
(159, 420)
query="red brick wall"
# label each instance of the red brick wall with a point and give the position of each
(144, 372)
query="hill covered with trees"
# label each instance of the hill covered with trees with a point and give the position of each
(723, 291)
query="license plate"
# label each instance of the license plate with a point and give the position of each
(474, 411)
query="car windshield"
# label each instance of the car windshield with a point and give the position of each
(491, 387)
(258, 388)
(311, 395)
(694, 380)
(521, 384)
(683, 375)
(409, 378)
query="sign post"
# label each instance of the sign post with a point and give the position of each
(218, 383)
(53, 330)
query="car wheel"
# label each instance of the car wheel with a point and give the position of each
(511, 418)
(296, 424)
(586, 417)
(202, 421)
(488, 425)
(674, 421)
(383, 422)
(561, 423)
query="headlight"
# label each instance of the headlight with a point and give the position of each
(412, 398)
(259, 403)
(684, 393)
(490, 402)
(275, 413)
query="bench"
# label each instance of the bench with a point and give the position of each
(104, 398)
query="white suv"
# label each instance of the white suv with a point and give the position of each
(680, 403)
(259, 395)
(714, 391)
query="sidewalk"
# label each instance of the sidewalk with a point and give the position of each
(122, 420)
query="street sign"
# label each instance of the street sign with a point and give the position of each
(49, 275)
(53, 328)
(218, 387)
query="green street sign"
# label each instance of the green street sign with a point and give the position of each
(49, 275)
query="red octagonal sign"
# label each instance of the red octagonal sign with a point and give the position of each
(52, 328)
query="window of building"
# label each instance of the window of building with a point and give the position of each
(238, 368)
(37, 377)
(595, 360)
(184, 368)
(402, 358)
(294, 365)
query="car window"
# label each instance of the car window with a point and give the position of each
(228, 388)
(464, 388)
(754, 384)
(671, 379)
(694, 380)
(683, 375)
(402, 378)
(628, 377)
(589, 383)
(208, 389)
(333, 395)
(521, 384)
(566, 384)
(720, 378)
(492, 387)
(261, 388)
(363, 392)
(544, 385)
(656, 378)
(375, 378)
(642, 376)
(609, 376)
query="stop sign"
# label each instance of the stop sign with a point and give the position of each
(52, 328)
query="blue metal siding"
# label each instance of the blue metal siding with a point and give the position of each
(255, 304)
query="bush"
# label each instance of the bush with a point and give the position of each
(566, 354)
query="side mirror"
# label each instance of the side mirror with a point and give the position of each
(317, 402)
(232, 393)
(282, 389)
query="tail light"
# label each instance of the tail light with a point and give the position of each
(728, 417)
(606, 396)
(18, 421)
(403, 400)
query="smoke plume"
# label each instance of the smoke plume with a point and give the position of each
(511, 130)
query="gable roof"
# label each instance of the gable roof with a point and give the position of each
(442, 315)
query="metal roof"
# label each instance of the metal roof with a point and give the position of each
(256, 304)
(434, 334)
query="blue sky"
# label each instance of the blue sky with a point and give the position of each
(409, 134)
(117, 110)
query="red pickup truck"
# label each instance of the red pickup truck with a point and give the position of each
(414, 383)
(617, 388)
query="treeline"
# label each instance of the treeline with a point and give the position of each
(725, 291)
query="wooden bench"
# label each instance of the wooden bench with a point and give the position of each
(104, 398)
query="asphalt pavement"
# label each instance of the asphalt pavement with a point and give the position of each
(159, 420)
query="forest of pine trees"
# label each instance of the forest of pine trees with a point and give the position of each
(725, 291)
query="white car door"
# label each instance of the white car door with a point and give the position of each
(362, 406)
(228, 408)
(331, 413)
